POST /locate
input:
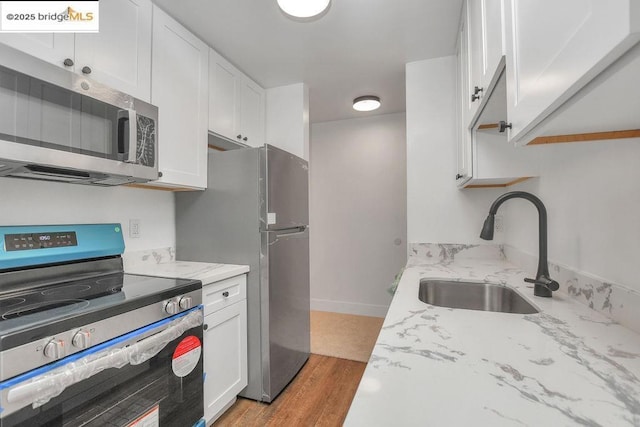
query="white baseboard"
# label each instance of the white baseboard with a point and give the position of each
(349, 307)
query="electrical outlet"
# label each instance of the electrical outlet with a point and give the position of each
(134, 228)
(499, 224)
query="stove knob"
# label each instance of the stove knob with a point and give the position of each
(54, 349)
(186, 303)
(81, 340)
(171, 307)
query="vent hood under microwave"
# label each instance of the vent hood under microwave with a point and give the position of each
(56, 125)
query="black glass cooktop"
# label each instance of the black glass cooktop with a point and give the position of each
(72, 296)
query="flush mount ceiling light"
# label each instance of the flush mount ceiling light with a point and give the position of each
(303, 8)
(366, 103)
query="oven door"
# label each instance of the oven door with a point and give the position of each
(149, 377)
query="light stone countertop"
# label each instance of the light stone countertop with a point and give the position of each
(437, 366)
(206, 272)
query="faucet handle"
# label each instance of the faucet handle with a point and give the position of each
(548, 283)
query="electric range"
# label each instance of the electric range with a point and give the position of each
(75, 331)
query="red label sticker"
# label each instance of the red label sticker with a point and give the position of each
(186, 356)
(151, 418)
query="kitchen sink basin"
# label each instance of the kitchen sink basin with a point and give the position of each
(473, 296)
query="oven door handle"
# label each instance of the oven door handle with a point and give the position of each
(39, 390)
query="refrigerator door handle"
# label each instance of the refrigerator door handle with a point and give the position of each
(288, 231)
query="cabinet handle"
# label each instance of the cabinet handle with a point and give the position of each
(225, 294)
(502, 126)
(458, 176)
(86, 70)
(205, 326)
(245, 139)
(476, 91)
(68, 62)
(239, 136)
(159, 174)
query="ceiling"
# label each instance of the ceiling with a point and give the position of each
(359, 47)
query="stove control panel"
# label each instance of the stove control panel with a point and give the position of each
(54, 349)
(27, 241)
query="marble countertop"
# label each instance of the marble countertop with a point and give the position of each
(567, 365)
(206, 272)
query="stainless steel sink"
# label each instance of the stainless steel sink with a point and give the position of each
(473, 296)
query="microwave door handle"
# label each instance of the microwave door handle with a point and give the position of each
(127, 154)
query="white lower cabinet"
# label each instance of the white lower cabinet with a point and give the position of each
(225, 344)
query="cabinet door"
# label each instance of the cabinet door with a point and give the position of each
(225, 357)
(179, 88)
(224, 99)
(51, 47)
(251, 113)
(471, 31)
(486, 24)
(485, 31)
(464, 149)
(555, 48)
(120, 54)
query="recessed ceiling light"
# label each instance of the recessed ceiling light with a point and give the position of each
(303, 8)
(366, 103)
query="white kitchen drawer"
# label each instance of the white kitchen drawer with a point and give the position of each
(219, 295)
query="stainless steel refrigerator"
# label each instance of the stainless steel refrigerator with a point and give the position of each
(255, 211)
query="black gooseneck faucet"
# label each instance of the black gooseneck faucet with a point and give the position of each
(543, 284)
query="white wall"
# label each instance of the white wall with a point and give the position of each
(287, 122)
(437, 212)
(358, 210)
(26, 202)
(592, 194)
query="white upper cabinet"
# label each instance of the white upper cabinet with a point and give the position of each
(236, 103)
(252, 114)
(555, 48)
(496, 162)
(484, 34)
(224, 104)
(118, 56)
(179, 90)
(484, 156)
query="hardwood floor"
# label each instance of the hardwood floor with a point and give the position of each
(320, 395)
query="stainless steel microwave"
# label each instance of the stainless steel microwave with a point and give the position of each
(56, 125)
